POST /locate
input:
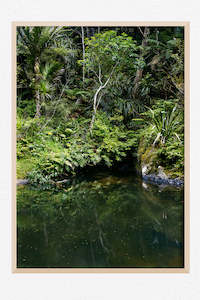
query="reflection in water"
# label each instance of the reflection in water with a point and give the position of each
(104, 221)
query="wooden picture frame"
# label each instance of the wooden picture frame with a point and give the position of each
(186, 26)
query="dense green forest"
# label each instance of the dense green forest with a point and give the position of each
(95, 96)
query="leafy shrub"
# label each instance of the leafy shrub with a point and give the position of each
(164, 131)
(64, 151)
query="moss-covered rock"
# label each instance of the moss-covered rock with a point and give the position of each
(150, 164)
(147, 158)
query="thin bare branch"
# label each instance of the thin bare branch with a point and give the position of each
(83, 46)
(141, 31)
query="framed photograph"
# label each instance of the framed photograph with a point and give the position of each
(100, 147)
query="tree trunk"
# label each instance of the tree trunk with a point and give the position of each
(101, 87)
(37, 91)
(95, 107)
(83, 46)
(139, 72)
(38, 104)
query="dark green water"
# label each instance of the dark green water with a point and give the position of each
(104, 221)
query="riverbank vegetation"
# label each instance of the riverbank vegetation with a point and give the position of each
(91, 96)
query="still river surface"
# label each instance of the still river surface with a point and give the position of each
(104, 220)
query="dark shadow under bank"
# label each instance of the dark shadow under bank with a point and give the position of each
(128, 166)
